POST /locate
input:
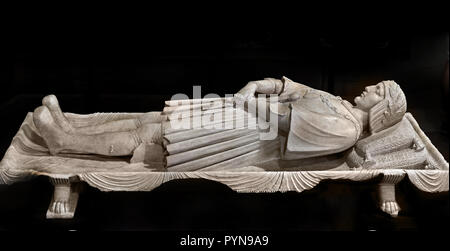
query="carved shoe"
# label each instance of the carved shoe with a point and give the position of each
(51, 102)
(50, 131)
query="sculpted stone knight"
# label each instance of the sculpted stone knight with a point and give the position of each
(312, 123)
(317, 136)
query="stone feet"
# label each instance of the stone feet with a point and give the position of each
(50, 131)
(51, 102)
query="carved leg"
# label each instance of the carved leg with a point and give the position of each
(386, 192)
(65, 198)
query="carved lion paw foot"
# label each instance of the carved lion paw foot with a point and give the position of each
(390, 207)
(59, 207)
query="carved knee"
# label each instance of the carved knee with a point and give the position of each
(150, 133)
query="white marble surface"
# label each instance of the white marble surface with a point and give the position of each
(27, 157)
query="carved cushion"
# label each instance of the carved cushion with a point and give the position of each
(402, 146)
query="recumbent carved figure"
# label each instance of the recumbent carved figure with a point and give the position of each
(311, 123)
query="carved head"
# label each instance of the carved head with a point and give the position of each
(385, 103)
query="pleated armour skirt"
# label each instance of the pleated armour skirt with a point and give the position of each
(212, 135)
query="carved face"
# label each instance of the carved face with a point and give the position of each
(370, 97)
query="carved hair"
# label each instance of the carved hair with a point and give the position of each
(390, 110)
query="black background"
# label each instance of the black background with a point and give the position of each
(136, 70)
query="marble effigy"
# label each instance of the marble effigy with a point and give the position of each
(237, 157)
